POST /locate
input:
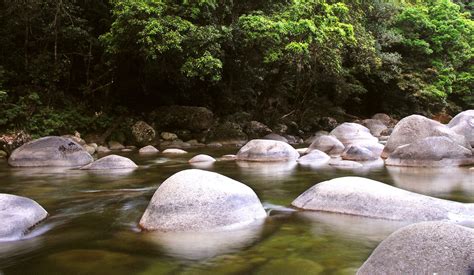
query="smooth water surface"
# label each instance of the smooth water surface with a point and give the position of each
(92, 227)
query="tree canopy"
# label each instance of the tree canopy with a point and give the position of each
(67, 64)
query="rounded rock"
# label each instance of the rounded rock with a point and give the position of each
(365, 197)
(351, 133)
(463, 124)
(358, 153)
(424, 248)
(202, 158)
(267, 150)
(197, 200)
(414, 128)
(431, 152)
(327, 144)
(111, 162)
(315, 158)
(50, 152)
(149, 149)
(18, 215)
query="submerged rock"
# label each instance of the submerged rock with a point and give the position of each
(463, 124)
(369, 198)
(267, 150)
(431, 151)
(50, 151)
(111, 162)
(149, 149)
(327, 144)
(197, 200)
(201, 158)
(18, 215)
(424, 248)
(415, 128)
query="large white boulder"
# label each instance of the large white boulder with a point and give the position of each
(369, 198)
(267, 150)
(353, 133)
(18, 215)
(424, 248)
(197, 200)
(463, 124)
(414, 128)
(50, 151)
(431, 152)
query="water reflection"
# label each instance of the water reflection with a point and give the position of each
(433, 181)
(268, 170)
(351, 227)
(205, 245)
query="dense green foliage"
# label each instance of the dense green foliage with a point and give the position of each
(66, 64)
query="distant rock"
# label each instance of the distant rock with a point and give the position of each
(463, 124)
(267, 150)
(277, 137)
(194, 119)
(111, 162)
(424, 248)
(437, 151)
(315, 136)
(384, 118)
(226, 131)
(169, 136)
(415, 128)
(142, 133)
(102, 150)
(314, 158)
(255, 129)
(197, 200)
(201, 158)
(365, 197)
(115, 145)
(50, 151)
(353, 133)
(375, 126)
(18, 215)
(174, 151)
(89, 149)
(12, 140)
(327, 144)
(149, 149)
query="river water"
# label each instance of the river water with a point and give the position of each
(92, 227)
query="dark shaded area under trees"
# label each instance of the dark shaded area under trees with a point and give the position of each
(69, 65)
